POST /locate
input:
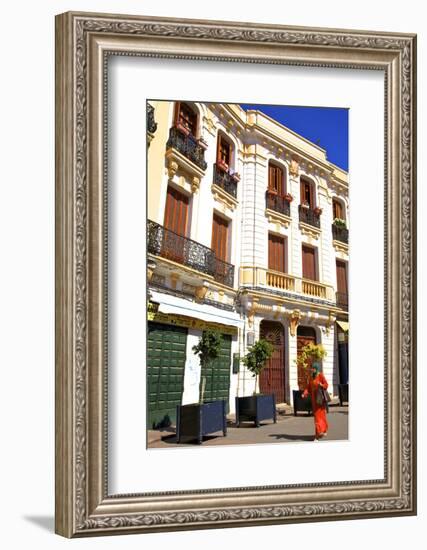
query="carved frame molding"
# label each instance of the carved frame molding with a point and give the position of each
(83, 43)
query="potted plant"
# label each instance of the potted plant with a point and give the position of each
(308, 354)
(339, 222)
(183, 129)
(195, 420)
(318, 211)
(235, 176)
(222, 165)
(203, 144)
(288, 197)
(305, 204)
(256, 407)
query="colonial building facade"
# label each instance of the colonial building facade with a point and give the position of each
(247, 234)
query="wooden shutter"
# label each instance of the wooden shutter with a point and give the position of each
(224, 150)
(309, 270)
(277, 253)
(220, 237)
(275, 179)
(187, 117)
(307, 192)
(342, 277)
(337, 207)
(176, 211)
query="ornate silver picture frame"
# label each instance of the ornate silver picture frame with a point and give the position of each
(84, 42)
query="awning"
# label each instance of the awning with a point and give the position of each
(344, 325)
(210, 314)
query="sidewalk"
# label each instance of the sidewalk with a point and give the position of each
(288, 428)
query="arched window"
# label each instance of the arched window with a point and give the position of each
(224, 155)
(276, 179)
(186, 118)
(307, 193)
(338, 210)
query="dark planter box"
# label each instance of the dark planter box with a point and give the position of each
(301, 404)
(255, 408)
(343, 393)
(199, 419)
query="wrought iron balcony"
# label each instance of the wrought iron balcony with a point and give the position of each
(224, 272)
(340, 233)
(308, 216)
(151, 123)
(188, 146)
(277, 203)
(225, 180)
(168, 244)
(342, 300)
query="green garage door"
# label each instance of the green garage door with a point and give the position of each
(217, 374)
(165, 373)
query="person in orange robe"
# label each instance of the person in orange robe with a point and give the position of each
(319, 411)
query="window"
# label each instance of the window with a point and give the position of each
(309, 264)
(342, 287)
(276, 180)
(338, 210)
(220, 237)
(307, 194)
(186, 117)
(277, 253)
(176, 211)
(224, 152)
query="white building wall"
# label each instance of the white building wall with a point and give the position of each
(192, 369)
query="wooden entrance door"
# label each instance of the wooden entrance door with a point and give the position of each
(166, 353)
(217, 374)
(272, 377)
(176, 212)
(305, 335)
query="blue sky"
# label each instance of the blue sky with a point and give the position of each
(326, 126)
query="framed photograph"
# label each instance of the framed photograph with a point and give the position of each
(235, 274)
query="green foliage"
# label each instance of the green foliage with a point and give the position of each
(339, 222)
(257, 356)
(313, 352)
(209, 346)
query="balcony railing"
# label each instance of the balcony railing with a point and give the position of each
(225, 180)
(168, 244)
(224, 272)
(342, 300)
(188, 146)
(277, 203)
(313, 288)
(151, 123)
(282, 281)
(308, 216)
(340, 233)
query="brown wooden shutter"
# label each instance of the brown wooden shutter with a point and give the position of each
(307, 193)
(337, 209)
(176, 211)
(223, 150)
(220, 237)
(275, 179)
(309, 270)
(277, 253)
(342, 286)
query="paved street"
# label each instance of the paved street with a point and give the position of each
(288, 428)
